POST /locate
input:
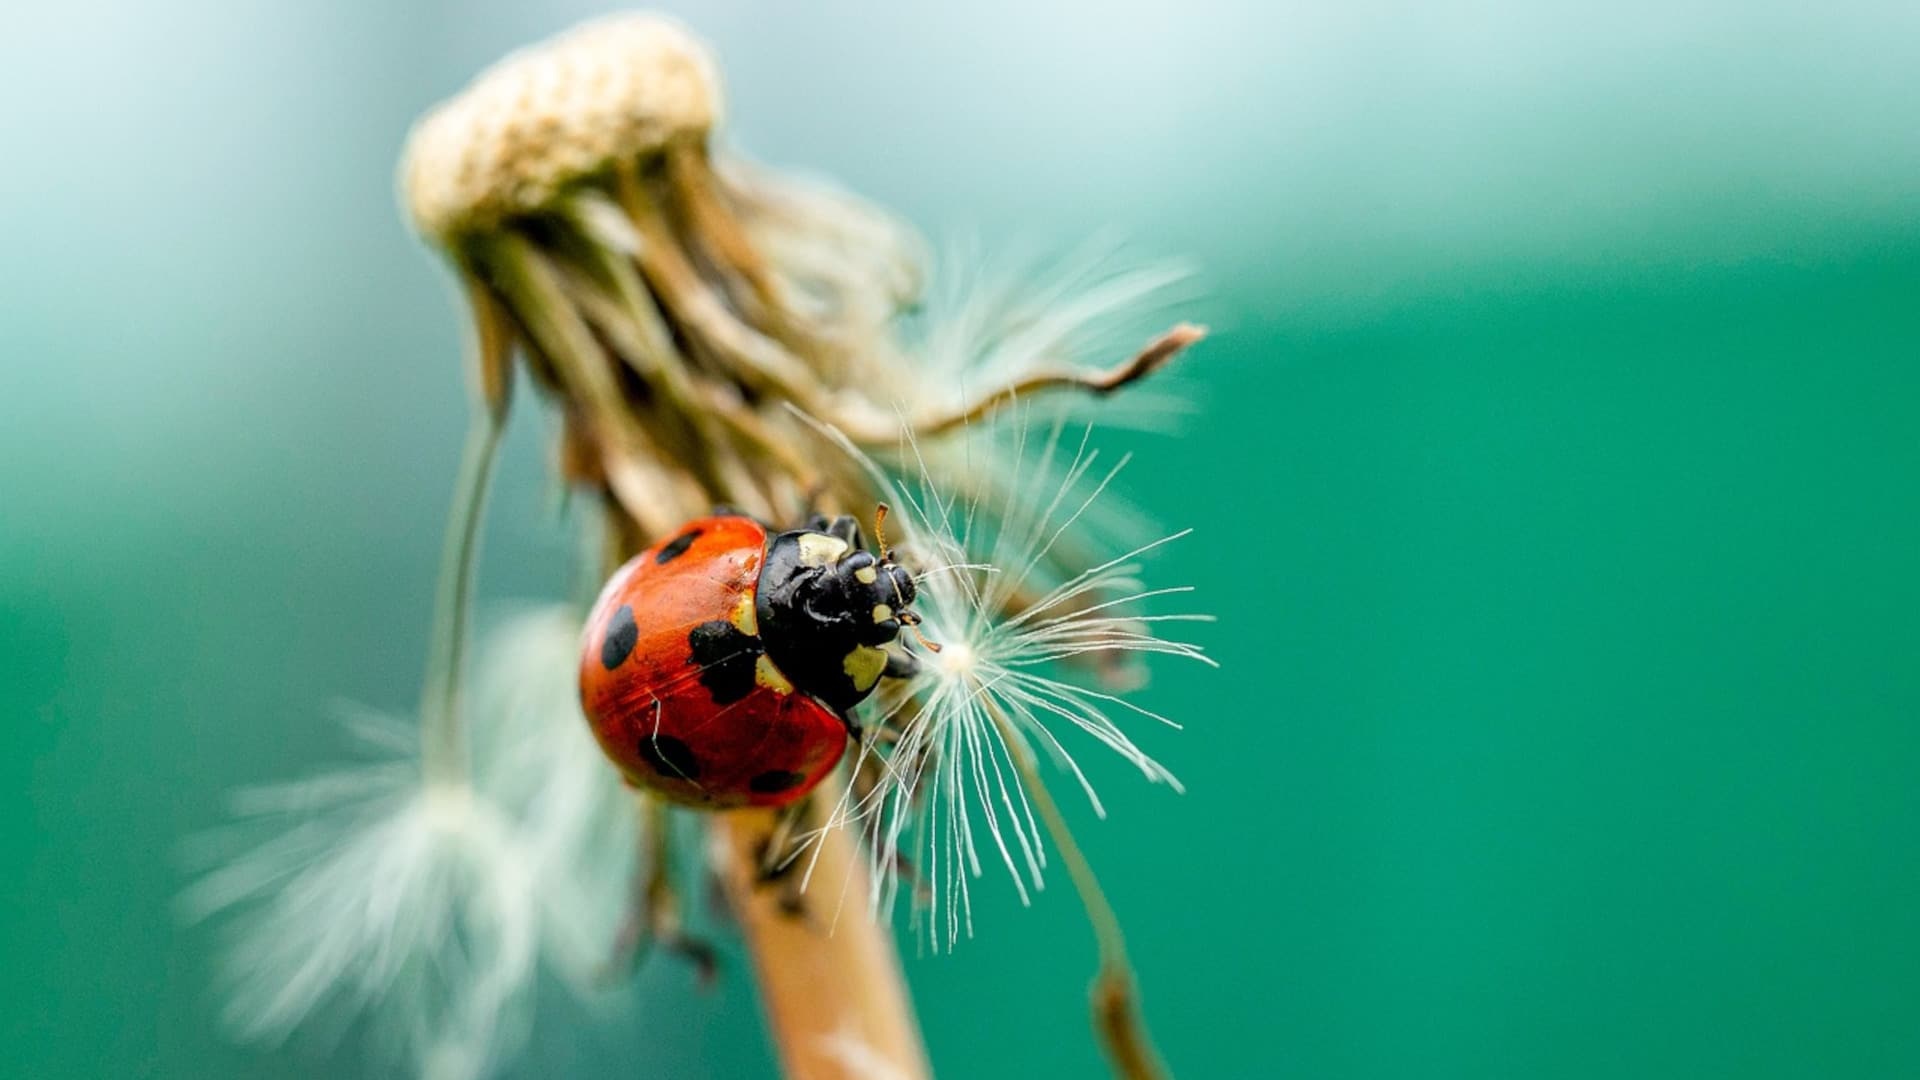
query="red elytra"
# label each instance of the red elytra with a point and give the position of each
(678, 687)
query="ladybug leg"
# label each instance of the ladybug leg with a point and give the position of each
(780, 860)
(901, 664)
(654, 913)
(844, 528)
(870, 771)
(848, 529)
(868, 776)
(811, 499)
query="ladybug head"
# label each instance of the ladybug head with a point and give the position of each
(827, 609)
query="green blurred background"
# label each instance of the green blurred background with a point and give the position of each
(1556, 493)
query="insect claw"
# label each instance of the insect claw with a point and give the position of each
(637, 940)
(701, 954)
(779, 859)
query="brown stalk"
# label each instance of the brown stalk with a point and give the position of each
(831, 985)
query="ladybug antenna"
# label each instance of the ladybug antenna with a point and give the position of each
(908, 619)
(880, 528)
(911, 620)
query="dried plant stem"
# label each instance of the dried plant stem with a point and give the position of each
(1157, 354)
(443, 743)
(1115, 997)
(835, 999)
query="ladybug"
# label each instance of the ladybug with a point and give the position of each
(719, 667)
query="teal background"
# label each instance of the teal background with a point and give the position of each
(1555, 489)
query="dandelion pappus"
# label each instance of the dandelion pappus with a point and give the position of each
(719, 667)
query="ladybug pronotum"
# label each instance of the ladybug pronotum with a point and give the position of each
(719, 667)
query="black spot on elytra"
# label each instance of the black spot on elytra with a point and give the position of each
(676, 547)
(622, 635)
(774, 782)
(725, 657)
(669, 756)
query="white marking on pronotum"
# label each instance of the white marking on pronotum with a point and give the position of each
(819, 549)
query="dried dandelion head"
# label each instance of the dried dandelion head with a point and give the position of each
(623, 88)
(575, 190)
(708, 332)
(679, 305)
